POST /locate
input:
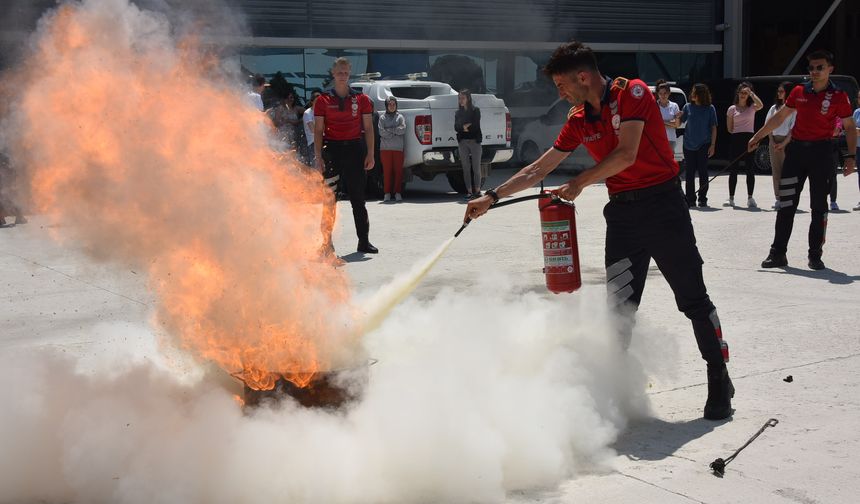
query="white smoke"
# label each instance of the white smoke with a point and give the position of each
(475, 394)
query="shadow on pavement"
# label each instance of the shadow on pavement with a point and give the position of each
(655, 439)
(356, 257)
(832, 276)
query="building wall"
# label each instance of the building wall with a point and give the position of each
(613, 21)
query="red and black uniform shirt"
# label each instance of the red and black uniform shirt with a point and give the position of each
(817, 111)
(343, 116)
(624, 100)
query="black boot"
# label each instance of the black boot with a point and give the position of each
(815, 263)
(774, 260)
(366, 247)
(720, 393)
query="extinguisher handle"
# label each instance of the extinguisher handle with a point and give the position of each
(542, 195)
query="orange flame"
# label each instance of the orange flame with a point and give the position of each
(143, 156)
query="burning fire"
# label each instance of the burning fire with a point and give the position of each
(145, 156)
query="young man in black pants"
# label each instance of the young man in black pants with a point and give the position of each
(809, 155)
(647, 216)
(343, 146)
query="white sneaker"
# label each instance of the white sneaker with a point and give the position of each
(751, 203)
(775, 205)
(387, 197)
(856, 207)
(729, 202)
(398, 197)
(834, 206)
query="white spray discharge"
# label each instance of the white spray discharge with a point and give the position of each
(388, 297)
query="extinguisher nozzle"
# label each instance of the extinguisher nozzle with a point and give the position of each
(465, 223)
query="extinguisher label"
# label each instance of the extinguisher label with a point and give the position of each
(557, 247)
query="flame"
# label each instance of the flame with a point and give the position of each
(144, 155)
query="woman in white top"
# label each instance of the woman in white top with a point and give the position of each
(780, 137)
(669, 110)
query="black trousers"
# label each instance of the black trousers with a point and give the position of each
(738, 146)
(345, 160)
(659, 227)
(696, 162)
(815, 161)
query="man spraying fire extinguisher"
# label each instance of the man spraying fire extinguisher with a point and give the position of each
(647, 216)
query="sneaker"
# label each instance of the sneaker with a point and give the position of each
(775, 261)
(720, 393)
(751, 203)
(815, 263)
(729, 202)
(834, 206)
(398, 197)
(776, 205)
(387, 197)
(856, 207)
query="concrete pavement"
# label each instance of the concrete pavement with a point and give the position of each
(777, 322)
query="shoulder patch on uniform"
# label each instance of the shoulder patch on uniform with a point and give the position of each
(638, 90)
(620, 83)
(575, 110)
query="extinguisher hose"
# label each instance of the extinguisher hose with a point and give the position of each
(499, 204)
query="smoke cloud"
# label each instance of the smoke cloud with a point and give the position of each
(459, 408)
(146, 157)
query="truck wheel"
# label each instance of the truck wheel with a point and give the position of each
(529, 153)
(455, 178)
(762, 159)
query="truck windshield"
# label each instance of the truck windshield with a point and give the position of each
(416, 92)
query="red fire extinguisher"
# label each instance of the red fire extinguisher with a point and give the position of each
(560, 249)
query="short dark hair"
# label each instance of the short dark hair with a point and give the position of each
(703, 94)
(573, 56)
(257, 80)
(821, 54)
(662, 84)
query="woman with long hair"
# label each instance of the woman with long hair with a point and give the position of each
(740, 121)
(780, 137)
(700, 139)
(467, 123)
(392, 128)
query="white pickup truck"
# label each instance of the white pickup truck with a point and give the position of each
(431, 142)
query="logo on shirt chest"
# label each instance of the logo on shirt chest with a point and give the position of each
(825, 104)
(616, 117)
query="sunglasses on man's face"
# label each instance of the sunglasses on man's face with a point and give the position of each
(816, 68)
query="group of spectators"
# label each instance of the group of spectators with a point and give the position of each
(700, 138)
(294, 125)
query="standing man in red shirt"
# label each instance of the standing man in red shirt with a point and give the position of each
(647, 217)
(342, 116)
(809, 155)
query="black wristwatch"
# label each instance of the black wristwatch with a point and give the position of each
(852, 156)
(492, 193)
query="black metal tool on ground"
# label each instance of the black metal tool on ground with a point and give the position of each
(499, 204)
(719, 465)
